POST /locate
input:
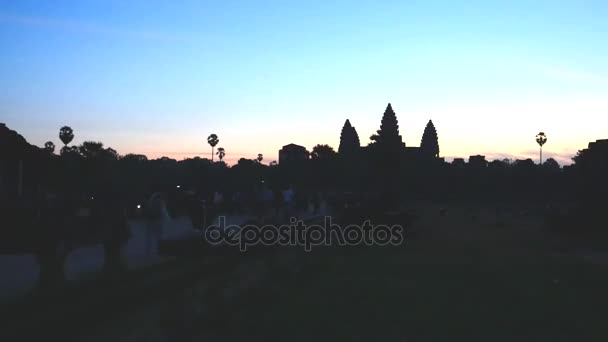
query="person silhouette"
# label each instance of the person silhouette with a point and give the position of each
(218, 199)
(265, 200)
(237, 199)
(289, 201)
(156, 214)
(316, 202)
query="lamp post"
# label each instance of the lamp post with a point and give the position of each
(541, 139)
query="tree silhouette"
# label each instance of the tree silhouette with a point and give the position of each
(499, 164)
(349, 139)
(551, 164)
(66, 134)
(541, 139)
(244, 162)
(524, 164)
(137, 158)
(260, 158)
(221, 153)
(212, 140)
(91, 149)
(112, 153)
(49, 147)
(322, 152)
(430, 143)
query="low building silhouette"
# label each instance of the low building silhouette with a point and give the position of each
(478, 161)
(458, 162)
(293, 153)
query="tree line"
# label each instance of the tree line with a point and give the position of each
(92, 168)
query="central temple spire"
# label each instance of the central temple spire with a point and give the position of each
(388, 135)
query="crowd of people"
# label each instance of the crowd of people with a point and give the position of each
(265, 202)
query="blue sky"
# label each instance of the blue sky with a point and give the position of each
(157, 77)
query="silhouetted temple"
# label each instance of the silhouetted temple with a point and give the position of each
(293, 153)
(596, 154)
(430, 143)
(592, 163)
(387, 138)
(349, 139)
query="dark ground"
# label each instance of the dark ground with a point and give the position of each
(473, 274)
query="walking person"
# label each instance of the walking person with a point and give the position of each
(264, 199)
(218, 200)
(156, 214)
(316, 202)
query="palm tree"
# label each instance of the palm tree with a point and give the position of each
(49, 147)
(212, 140)
(260, 158)
(221, 153)
(66, 134)
(541, 139)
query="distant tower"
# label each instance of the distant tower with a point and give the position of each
(388, 134)
(429, 145)
(349, 139)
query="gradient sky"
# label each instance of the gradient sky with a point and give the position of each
(157, 77)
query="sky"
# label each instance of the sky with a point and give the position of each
(157, 77)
